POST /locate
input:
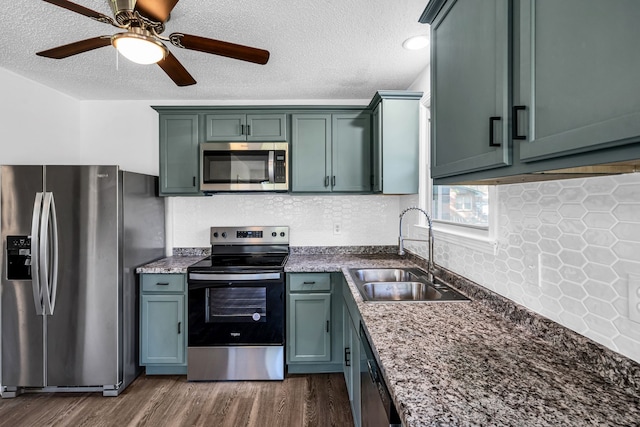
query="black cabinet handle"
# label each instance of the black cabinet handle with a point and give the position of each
(326, 181)
(179, 325)
(327, 326)
(309, 283)
(194, 181)
(491, 121)
(241, 129)
(248, 129)
(514, 130)
(347, 356)
(162, 284)
(333, 181)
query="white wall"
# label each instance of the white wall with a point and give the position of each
(38, 125)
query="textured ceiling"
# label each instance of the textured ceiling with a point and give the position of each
(331, 49)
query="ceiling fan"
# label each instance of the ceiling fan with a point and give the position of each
(142, 42)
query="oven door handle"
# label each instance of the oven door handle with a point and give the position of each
(243, 277)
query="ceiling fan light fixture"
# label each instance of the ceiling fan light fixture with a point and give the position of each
(139, 46)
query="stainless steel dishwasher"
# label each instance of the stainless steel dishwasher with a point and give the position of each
(377, 408)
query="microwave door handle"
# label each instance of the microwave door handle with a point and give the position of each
(272, 178)
(35, 243)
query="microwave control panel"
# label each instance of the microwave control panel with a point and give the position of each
(280, 174)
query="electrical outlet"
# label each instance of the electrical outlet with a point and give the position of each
(337, 228)
(634, 297)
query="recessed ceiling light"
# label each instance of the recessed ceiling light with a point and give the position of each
(416, 42)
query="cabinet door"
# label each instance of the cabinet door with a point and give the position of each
(309, 327)
(266, 127)
(470, 87)
(311, 152)
(351, 153)
(179, 169)
(226, 127)
(162, 332)
(376, 139)
(578, 68)
(400, 146)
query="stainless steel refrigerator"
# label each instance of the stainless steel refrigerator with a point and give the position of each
(73, 236)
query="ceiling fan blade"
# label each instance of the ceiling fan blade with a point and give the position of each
(217, 47)
(176, 71)
(157, 10)
(75, 48)
(83, 11)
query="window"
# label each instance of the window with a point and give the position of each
(461, 204)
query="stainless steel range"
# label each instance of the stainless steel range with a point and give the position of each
(236, 306)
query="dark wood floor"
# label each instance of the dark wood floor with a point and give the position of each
(299, 400)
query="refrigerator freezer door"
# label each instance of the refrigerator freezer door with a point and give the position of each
(82, 334)
(22, 329)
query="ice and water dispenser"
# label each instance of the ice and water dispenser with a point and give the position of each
(18, 258)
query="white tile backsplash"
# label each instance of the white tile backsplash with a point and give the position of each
(364, 219)
(565, 250)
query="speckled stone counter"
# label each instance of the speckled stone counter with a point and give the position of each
(467, 364)
(173, 264)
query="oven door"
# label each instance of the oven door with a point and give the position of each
(236, 309)
(249, 166)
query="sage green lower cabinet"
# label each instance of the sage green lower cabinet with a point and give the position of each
(314, 323)
(163, 323)
(351, 346)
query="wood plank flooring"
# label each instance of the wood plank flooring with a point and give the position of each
(299, 400)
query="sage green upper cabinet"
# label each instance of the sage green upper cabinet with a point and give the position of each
(246, 127)
(470, 45)
(351, 152)
(553, 83)
(396, 142)
(331, 152)
(578, 72)
(179, 169)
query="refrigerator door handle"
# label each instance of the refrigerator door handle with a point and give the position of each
(49, 253)
(35, 247)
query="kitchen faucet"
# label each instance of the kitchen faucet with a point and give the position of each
(401, 239)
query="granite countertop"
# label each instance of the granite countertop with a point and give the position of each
(174, 264)
(469, 364)
(464, 364)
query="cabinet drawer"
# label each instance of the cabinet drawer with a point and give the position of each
(163, 282)
(310, 282)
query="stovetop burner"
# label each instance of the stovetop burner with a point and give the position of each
(250, 261)
(246, 248)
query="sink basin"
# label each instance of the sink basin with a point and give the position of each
(399, 291)
(384, 275)
(401, 284)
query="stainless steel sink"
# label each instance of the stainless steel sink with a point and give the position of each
(384, 275)
(401, 284)
(399, 291)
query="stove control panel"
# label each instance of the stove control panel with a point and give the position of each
(263, 235)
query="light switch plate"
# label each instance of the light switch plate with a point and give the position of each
(634, 297)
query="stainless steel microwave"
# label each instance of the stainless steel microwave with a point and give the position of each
(244, 166)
